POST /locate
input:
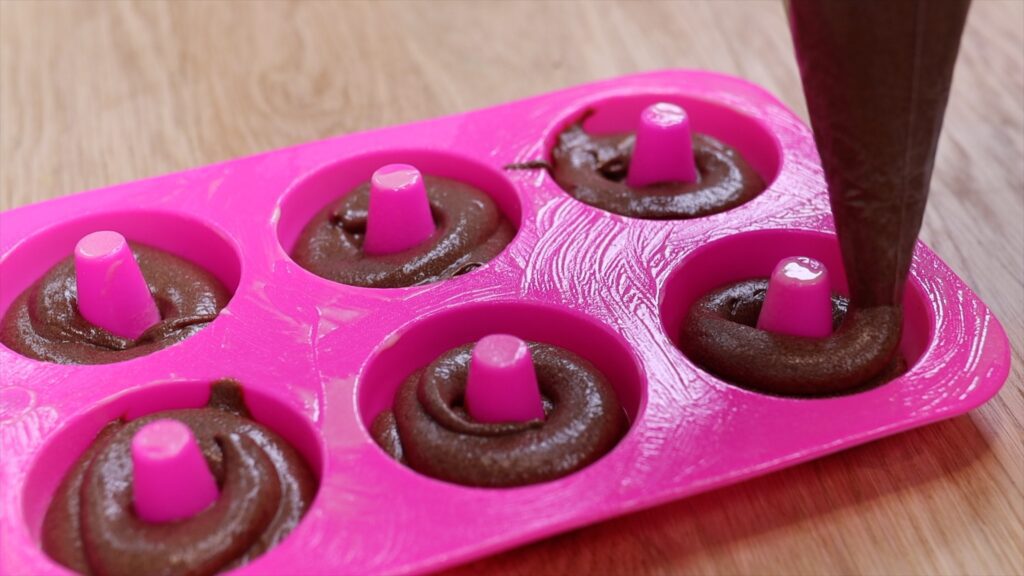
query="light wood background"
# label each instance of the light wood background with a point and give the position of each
(93, 94)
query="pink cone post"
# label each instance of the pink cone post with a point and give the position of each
(399, 215)
(799, 299)
(171, 479)
(112, 292)
(664, 147)
(502, 384)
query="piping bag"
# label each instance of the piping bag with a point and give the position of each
(876, 77)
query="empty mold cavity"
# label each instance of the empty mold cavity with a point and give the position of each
(620, 115)
(179, 235)
(57, 456)
(326, 186)
(420, 343)
(752, 255)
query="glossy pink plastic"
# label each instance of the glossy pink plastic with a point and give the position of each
(112, 292)
(170, 478)
(663, 151)
(398, 217)
(798, 301)
(320, 360)
(502, 384)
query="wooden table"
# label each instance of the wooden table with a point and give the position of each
(95, 94)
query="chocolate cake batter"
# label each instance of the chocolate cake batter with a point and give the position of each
(593, 170)
(44, 322)
(431, 432)
(721, 331)
(471, 230)
(265, 488)
(876, 80)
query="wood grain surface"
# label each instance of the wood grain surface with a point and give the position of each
(93, 94)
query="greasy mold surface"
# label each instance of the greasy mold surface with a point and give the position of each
(312, 345)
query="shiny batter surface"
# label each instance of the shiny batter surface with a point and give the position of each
(265, 488)
(593, 170)
(44, 322)
(471, 230)
(430, 431)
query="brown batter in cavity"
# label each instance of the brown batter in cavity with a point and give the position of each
(876, 80)
(593, 170)
(265, 489)
(721, 332)
(430, 431)
(44, 322)
(471, 230)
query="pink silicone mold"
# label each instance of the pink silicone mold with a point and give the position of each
(319, 360)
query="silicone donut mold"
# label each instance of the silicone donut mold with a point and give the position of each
(289, 333)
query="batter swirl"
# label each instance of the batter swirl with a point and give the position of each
(593, 170)
(471, 230)
(430, 431)
(720, 335)
(44, 322)
(265, 488)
